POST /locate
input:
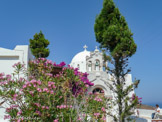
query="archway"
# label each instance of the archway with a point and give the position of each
(98, 90)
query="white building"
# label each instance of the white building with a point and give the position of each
(8, 58)
(93, 64)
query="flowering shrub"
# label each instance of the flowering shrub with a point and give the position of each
(50, 97)
(138, 99)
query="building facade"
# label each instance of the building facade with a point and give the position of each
(93, 63)
(22, 54)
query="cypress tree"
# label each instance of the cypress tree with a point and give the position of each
(114, 36)
(38, 46)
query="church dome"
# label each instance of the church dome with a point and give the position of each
(79, 60)
(81, 56)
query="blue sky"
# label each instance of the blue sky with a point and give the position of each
(69, 25)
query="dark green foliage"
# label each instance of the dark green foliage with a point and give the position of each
(114, 36)
(112, 31)
(38, 46)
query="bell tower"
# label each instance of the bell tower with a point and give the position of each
(95, 61)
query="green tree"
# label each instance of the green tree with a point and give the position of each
(116, 39)
(38, 46)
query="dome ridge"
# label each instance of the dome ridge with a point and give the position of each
(81, 56)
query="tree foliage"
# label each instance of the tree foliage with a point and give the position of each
(114, 36)
(112, 31)
(39, 46)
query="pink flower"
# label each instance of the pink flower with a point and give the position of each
(56, 120)
(45, 89)
(39, 82)
(98, 99)
(2, 74)
(38, 112)
(79, 118)
(49, 74)
(7, 117)
(8, 77)
(16, 64)
(90, 93)
(31, 92)
(39, 89)
(33, 81)
(103, 118)
(62, 64)
(139, 98)
(51, 91)
(18, 120)
(7, 109)
(43, 107)
(14, 97)
(24, 86)
(19, 113)
(102, 91)
(96, 114)
(47, 107)
(14, 106)
(37, 104)
(103, 109)
(64, 106)
(54, 86)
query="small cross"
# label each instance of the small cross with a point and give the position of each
(85, 47)
(96, 47)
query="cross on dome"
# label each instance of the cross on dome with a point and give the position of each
(85, 47)
(96, 50)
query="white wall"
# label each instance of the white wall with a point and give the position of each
(8, 58)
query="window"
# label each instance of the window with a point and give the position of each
(78, 66)
(98, 91)
(89, 66)
(97, 65)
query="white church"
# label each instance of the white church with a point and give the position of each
(93, 64)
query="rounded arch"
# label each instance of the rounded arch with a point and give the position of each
(98, 90)
(97, 65)
(99, 87)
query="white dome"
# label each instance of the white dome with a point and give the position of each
(79, 60)
(81, 57)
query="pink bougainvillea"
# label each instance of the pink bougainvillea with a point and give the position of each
(50, 97)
